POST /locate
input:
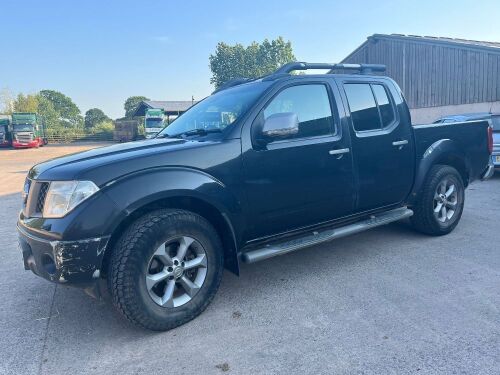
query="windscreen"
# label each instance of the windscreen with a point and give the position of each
(154, 123)
(23, 127)
(218, 111)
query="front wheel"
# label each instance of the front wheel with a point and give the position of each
(441, 203)
(165, 269)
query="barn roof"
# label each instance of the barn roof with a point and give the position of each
(452, 42)
(169, 107)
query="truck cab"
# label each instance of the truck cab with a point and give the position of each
(5, 131)
(28, 130)
(153, 122)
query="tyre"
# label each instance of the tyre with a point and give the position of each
(441, 203)
(165, 269)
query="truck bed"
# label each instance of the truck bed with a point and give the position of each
(469, 140)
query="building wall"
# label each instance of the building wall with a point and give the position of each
(428, 115)
(434, 74)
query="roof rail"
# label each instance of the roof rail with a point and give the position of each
(233, 82)
(362, 68)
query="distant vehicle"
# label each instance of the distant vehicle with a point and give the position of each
(5, 131)
(126, 130)
(495, 122)
(153, 122)
(28, 130)
(258, 169)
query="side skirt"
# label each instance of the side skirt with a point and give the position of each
(317, 237)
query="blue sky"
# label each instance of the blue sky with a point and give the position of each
(101, 52)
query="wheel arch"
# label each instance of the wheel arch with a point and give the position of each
(442, 152)
(190, 190)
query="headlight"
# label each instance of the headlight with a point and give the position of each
(63, 196)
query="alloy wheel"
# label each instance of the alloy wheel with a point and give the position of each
(176, 272)
(445, 201)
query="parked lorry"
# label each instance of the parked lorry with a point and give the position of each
(153, 122)
(291, 161)
(28, 130)
(5, 131)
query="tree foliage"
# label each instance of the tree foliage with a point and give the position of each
(26, 103)
(131, 105)
(256, 60)
(69, 113)
(93, 117)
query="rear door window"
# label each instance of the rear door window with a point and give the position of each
(370, 106)
(364, 112)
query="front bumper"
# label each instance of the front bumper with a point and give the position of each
(30, 144)
(69, 262)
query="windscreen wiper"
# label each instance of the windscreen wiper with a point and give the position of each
(199, 131)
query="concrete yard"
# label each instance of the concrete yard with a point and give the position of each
(388, 301)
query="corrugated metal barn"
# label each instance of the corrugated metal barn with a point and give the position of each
(439, 76)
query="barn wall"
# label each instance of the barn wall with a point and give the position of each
(433, 74)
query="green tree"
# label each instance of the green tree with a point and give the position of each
(131, 105)
(26, 103)
(46, 110)
(69, 113)
(256, 60)
(93, 117)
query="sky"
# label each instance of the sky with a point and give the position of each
(101, 52)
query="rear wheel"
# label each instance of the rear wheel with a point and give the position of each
(440, 206)
(165, 269)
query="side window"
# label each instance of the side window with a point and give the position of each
(384, 105)
(364, 112)
(312, 106)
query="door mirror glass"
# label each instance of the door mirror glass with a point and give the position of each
(280, 126)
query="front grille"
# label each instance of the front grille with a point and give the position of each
(42, 194)
(34, 195)
(24, 138)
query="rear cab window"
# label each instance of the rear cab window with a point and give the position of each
(370, 106)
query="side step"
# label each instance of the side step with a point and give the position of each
(315, 238)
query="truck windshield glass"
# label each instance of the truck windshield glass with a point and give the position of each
(23, 127)
(218, 111)
(154, 123)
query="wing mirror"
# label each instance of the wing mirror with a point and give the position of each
(280, 125)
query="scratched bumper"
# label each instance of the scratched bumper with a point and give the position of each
(70, 262)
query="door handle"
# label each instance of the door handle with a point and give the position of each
(400, 143)
(340, 152)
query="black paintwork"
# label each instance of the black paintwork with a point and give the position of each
(261, 193)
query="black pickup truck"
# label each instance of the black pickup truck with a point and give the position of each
(258, 169)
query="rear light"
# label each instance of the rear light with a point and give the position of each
(490, 139)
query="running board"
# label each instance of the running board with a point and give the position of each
(318, 237)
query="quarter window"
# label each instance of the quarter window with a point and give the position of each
(312, 106)
(384, 105)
